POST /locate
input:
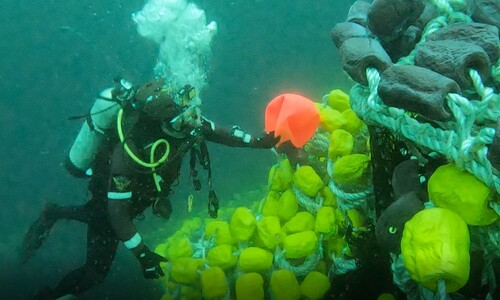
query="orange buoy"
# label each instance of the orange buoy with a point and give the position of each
(293, 118)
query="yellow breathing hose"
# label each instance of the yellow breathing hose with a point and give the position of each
(152, 164)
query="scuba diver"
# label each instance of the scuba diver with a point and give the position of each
(132, 146)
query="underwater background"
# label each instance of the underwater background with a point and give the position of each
(56, 56)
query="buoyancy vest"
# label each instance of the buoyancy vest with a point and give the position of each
(102, 126)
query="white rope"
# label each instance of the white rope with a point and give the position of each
(309, 264)
(310, 204)
(453, 15)
(347, 200)
(464, 143)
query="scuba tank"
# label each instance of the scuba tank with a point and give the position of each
(93, 133)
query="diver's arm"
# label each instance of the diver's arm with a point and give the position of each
(119, 196)
(235, 136)
(119, 201)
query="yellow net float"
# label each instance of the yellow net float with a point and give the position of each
(280, 176)
(284, 285)
(185, 270)
(179, 247)
(352, 123)
(287, 205)
(213, 283)
(250, 286)
(242, 224)
(329, 198)
(330, 119)
(325, 221)
(341, 144)
(315, 285)
(222, 256)
(308, 181)
(302, 221)
(463, 193)
(254, 259)
(269, 232)
(435, 246)
(351, 168)
(338, 100)
(221, 231)
(271, 204)
(299, 245)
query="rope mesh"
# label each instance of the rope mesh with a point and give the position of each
(464, 141)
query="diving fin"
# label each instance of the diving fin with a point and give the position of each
(38, 232)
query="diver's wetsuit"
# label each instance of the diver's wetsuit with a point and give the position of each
(111, 220)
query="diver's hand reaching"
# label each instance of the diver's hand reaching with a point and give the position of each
(266, 141)
(150, 263)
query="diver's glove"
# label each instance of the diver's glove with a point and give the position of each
(150, 263)
(267, 141)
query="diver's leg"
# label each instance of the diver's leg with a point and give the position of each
(40, 229)
(102, 245)
(79, 213)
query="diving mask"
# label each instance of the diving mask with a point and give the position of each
(190, 118)
(190, 104)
